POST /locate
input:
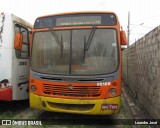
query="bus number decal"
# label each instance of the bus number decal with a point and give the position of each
(104, 84)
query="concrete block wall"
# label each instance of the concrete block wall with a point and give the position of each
(141, 71)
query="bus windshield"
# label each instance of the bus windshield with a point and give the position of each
(66, 52)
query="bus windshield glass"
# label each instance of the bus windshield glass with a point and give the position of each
(68, 52)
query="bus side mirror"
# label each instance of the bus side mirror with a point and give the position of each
(18, 41)
(123, 38)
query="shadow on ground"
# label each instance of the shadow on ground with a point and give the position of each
(8, 109)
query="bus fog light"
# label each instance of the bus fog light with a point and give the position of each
(113, 91)
(33, 88)
(43, 104)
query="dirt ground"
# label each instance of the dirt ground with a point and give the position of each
(21, 110)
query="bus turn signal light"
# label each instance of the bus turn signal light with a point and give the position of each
(32, 81)
(114, 84)
(33, 88)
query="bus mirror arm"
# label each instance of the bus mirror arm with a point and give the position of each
(18, 41)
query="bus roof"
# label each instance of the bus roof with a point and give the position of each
(22, 21)
(17, 19)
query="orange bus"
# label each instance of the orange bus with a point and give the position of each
(76, 63)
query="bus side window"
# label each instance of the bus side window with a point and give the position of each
(25, 51)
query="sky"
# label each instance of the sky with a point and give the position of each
(144, 14)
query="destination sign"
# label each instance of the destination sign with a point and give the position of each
(81, 20)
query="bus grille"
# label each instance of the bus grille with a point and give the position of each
(76, 91)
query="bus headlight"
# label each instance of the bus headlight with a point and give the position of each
(113, 91)
(33, 88)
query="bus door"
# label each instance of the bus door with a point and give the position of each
(23, 64)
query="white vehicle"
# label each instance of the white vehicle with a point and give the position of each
(15, 34)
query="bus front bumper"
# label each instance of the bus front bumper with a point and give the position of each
(93, 107)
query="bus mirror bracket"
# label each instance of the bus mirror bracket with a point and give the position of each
(123, 38)
(18, 41)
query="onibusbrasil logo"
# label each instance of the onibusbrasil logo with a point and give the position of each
(21, 122)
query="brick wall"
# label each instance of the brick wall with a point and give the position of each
(141, 71)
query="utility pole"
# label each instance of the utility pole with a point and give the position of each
(128, 34)
(128, 31)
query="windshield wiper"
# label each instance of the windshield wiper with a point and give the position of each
(61, 46)
(55, 36)
(84, 50)
(59, 42)
(87, 45)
